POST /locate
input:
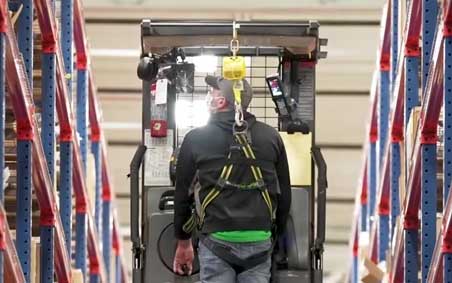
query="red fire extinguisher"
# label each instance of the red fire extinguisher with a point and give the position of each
(159, 123)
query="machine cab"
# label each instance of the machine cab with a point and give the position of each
(281, 59)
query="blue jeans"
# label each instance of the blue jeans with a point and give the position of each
(215, 270)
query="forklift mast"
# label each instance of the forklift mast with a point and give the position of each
(169, 76)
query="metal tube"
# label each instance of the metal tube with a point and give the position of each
(429, 24)
(394, 40)
(80, 242)
(48, 142)
(411, 256)
(25, 37)
(447, 126)
(383, 236)
(66, 191)
(428, 206)
(67, 23)
(383, 118)
(48, 111)
(363, 215)
(395, 175)
(82, 113)
(447, 273)
(107, 236)
(47, 254)
(372, 181)
(23, 213)
(96, 150)
(2, 131)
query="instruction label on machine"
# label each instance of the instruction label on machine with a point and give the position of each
(157, 159)
(306, 92)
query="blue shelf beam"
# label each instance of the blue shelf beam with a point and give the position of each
(394, 40)
(411, 258)
(81, 242)
(383, 117)
(447, 123)
(2, 134)
(24, 197)
(395, 176)
(428, 206)
(66, 191)
(67, 35)
(82, 113)
(107, 236)
(25, 37)
(372, 180)
(47, 254)
(96, 150)
(429, 24)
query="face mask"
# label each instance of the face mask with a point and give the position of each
(210, 102)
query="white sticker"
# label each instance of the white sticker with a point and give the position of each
(161, 91)
(157, 160)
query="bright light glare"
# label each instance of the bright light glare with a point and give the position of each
(205, 63)
(191, 114)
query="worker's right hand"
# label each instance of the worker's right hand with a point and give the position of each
(183, 259)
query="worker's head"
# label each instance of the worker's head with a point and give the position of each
(221, 95)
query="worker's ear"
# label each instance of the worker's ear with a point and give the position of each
(221, 102)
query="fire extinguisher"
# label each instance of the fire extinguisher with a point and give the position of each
(159, 123)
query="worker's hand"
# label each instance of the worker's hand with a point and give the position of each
(183, 259)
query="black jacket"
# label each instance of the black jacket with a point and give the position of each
(204, 151)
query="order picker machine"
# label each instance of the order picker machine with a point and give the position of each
(171, 79)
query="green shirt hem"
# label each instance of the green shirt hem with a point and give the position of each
(242, 236)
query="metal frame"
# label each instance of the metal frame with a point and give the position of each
(95, 119)
(12, 267)
(48, 141)
(33, 153)
(20, 96)
(2, 137)
(436, 249)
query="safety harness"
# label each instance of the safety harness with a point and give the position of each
(242, 153)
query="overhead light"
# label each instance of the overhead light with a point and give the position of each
(205, 63)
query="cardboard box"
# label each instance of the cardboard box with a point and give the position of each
(402, 178)
(363, 245)
(91, 178)
(372, 273)
(411, 133)
(77, 276)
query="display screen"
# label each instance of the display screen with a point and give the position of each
(275, 87)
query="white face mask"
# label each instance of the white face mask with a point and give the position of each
(210, 102)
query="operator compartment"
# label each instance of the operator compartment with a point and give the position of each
(279, 60)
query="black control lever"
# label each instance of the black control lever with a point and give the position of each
(137, 247)
(322, 185)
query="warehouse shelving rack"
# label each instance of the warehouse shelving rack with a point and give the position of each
(406, 228)
(36, 153)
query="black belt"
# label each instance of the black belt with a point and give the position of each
(238, 264)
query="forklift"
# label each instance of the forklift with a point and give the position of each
(168, 76)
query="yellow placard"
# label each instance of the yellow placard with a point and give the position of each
(298, 149)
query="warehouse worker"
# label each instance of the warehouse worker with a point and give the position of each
(244, 192)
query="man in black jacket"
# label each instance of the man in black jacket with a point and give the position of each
(239, 220)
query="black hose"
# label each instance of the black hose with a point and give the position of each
(135, 195)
